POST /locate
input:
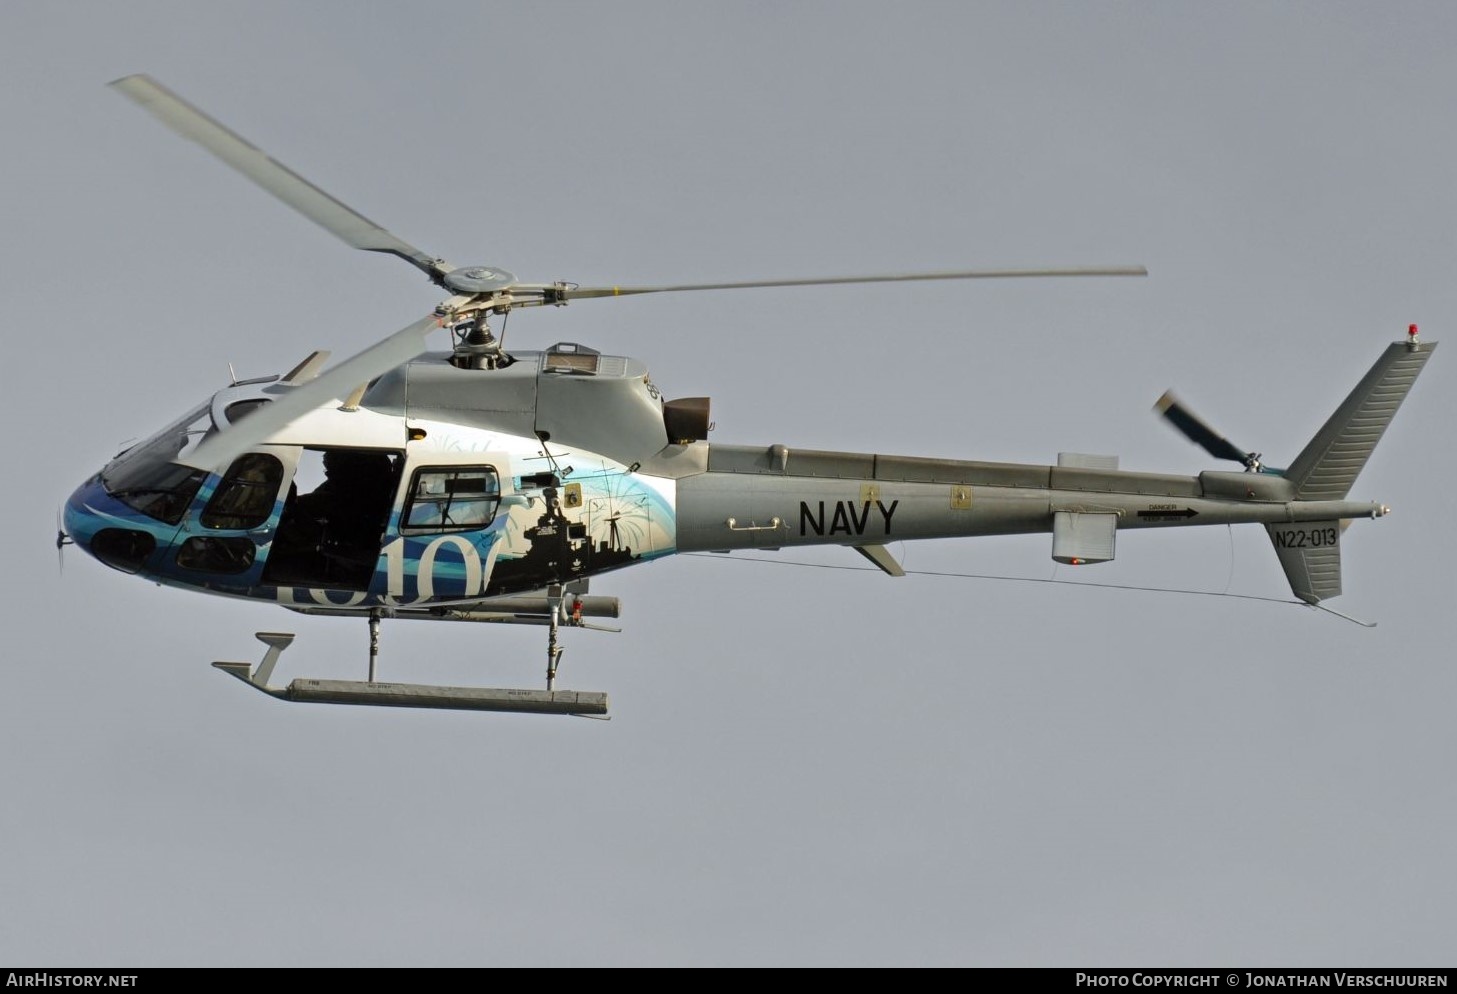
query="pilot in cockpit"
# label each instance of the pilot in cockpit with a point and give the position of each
(332, 534)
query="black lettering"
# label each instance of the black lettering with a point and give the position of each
(841, 522)
(886, 512)
(807, 517)
(1307, 538)
(859, 520)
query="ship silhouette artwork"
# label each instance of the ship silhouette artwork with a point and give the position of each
(561, 550)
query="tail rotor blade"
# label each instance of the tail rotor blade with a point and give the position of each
(1197, 431)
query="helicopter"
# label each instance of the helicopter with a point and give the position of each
(476, 484)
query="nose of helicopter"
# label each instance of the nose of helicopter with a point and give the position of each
(104, 528)
(79, 520)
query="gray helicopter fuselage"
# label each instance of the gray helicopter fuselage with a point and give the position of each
(560, 465)
(731, 497)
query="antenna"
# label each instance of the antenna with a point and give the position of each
(556, 468)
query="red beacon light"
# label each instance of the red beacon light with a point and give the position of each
(1411, 335)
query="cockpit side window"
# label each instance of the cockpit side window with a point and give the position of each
(145, 478)
(453, 498)
(164, 493)
(245, 497)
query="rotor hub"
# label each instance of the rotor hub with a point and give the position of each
(478, 279)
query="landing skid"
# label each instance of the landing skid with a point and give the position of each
(376, 693)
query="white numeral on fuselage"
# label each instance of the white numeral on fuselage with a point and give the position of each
(477, 574)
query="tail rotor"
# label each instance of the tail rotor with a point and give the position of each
(1198, 431)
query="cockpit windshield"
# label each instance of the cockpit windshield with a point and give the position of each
(145, 478)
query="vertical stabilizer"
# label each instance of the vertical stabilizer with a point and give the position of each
(1329, 465)
(1310, 552)
(1310, 555)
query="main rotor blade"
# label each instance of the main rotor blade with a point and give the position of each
(219, 450)
(578, 293)
(1197, 431)
(285, 184)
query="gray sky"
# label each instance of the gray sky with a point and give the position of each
(805, 766)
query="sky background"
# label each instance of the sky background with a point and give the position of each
(805, 766)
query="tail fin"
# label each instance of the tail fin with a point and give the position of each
(1327, 467)
(1310, 552)
(1310, 555)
